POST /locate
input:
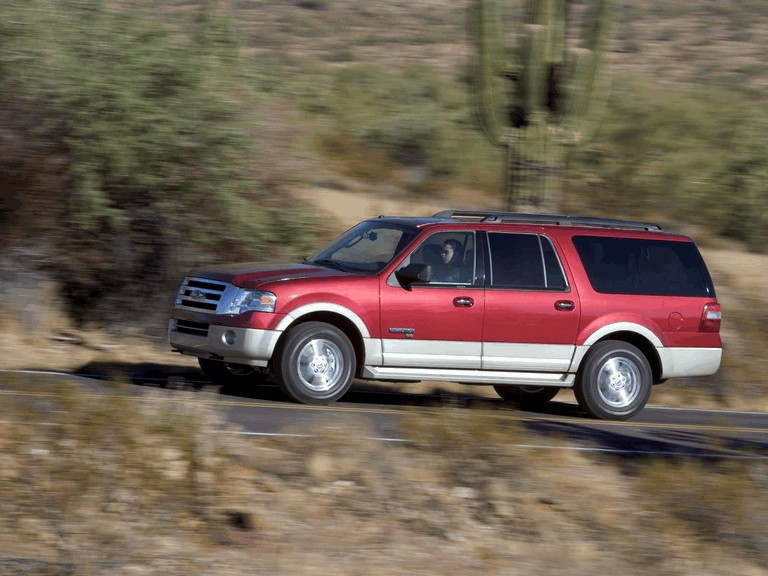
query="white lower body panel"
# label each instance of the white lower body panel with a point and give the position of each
(430, 353)
(527, 357)
(680, 362)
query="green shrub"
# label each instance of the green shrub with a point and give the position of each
(142, 127)
(416, 118)
(695, 156)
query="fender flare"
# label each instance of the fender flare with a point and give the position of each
(297, 313)
(639, 329)
(607, 330)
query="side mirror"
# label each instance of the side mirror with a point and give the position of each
(413, 274)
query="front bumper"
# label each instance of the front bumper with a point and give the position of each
(250, 346)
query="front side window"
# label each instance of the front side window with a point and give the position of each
(366, 248)
(444, 258)
(524, 262)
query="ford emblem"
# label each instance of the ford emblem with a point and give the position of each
(196, 294)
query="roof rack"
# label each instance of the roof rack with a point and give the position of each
(558, 220)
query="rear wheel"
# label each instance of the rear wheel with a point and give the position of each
(232, 375)
(316, 365)
(615, 381)
(527, 396)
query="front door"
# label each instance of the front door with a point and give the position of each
(438, 323)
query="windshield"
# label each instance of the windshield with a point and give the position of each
(366, 248)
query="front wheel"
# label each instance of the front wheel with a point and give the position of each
(527, 396)
(316, 365)
(615, 381)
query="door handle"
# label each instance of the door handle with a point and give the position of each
(564, 305)
(463, 302)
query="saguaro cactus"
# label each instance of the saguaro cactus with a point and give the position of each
(536, 98)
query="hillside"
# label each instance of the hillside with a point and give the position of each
(691, 41)
(98, 483)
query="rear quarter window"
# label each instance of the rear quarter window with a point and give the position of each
(644, 266)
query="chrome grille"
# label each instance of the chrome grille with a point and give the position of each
(201, 294)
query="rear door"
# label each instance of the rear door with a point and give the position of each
(437, 323)
(531, 311)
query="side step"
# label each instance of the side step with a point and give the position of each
(470, 376)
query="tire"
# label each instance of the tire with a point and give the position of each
(316, 365)
(614, 382)
(527, 396)
(232, 376)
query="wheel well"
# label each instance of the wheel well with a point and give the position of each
(337, 320)
(648, 349)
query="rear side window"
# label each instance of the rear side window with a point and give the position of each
(525, 262)
(644, 267)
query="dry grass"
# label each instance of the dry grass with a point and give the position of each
(112, 485)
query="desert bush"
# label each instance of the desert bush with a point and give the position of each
(415, 117)
(127, 144)
(695, 156)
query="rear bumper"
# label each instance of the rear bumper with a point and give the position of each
(249, 346)
(680, 362)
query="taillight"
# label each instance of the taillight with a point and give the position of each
(710, 318)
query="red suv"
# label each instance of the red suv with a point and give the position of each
(527, 303)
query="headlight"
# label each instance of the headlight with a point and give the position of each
(251, 301)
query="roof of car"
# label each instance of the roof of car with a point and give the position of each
(469, 216)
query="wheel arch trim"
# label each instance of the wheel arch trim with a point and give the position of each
(325, 307)
(370, 350)
(605, 333)
(616, 327)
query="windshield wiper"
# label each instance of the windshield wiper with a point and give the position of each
(330, 264)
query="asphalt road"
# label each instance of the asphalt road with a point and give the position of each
(264, 412)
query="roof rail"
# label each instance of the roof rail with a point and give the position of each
(558, 220)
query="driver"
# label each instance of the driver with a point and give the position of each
(450, 252)
(450, 256)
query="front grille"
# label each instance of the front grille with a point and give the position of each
(201, 294)
(193, 328)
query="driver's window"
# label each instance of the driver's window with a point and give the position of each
(445, 258)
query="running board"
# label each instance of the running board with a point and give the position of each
(470, 376)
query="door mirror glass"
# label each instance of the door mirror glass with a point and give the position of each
(413, 274)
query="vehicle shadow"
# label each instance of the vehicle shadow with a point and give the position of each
(630, 442)
(170, 376)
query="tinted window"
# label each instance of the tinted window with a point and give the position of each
(524, 261)
(651, 267)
